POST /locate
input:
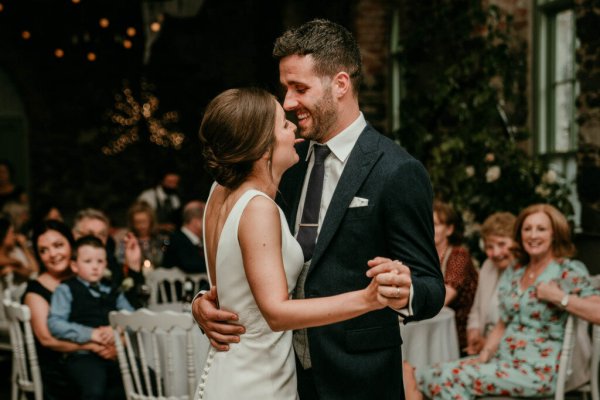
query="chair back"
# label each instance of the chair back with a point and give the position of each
(165, 285)
(566, 357)
(5, 294)
(200, 281)
(157, 353)
(26, 377)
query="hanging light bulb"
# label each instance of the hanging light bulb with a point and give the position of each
(155, 26)
(104, 22)
(131, 31)
(127, 43)
(1, 7)
(75, 1)
(26, 35)
(91, 56)
(59, 53)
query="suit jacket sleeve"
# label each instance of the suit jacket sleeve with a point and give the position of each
(408, 203)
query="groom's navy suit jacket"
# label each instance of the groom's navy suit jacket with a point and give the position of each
(360, 358)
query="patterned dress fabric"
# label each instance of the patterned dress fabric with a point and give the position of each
(461, 275)
(261, 366)
(526, 362)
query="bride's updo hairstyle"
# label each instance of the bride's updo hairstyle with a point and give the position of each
(238, 128)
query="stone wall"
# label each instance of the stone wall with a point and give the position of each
(371, 28)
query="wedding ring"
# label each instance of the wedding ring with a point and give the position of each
(397, 291)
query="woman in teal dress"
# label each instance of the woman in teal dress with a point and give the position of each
(521, 355)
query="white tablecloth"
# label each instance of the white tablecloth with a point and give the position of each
(430, 341)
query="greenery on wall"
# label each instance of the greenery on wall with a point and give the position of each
(465, 109)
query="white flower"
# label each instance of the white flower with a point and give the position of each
(549, 177)
(542, 191)
(107, 273)
(490, 157)
(492, 174)
(127, 284)
(470, 171)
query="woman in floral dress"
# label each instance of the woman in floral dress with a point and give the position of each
(521, 355)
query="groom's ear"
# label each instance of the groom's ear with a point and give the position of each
(341, 84)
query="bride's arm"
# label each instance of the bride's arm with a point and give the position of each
(259, 234)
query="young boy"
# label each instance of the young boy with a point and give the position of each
(79, 313)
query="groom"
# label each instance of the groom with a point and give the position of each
(376, 200)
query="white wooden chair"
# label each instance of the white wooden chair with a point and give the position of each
(592, 387)
(5, 293)
(595, 363)
(26, 377)
(200, 280)
(164, 285)
(157, 353)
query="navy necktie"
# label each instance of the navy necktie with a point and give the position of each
(309, 223)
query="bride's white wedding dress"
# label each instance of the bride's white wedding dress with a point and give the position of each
(261, 366)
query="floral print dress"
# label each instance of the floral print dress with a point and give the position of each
(526, 362)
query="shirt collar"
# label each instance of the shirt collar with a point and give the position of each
(191, 235)
(342, 144)
(87, 284)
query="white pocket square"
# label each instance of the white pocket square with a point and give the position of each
(359, 202)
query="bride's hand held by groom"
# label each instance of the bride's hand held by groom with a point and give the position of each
(393, 281)
(219, 325)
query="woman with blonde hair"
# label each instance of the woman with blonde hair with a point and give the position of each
(497, 234)
(141, 222)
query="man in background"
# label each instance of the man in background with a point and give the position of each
(185, 250)
(165, 201)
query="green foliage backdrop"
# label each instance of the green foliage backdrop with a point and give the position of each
(464, 112)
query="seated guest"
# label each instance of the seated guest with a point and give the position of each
(460, 276)
(521, 354)
(52, 241)
(141, 222)
(165, 201)
(9, 191)
(15, 255)
(94, 222)
(79, 313)
(496, 232)
(185, 250)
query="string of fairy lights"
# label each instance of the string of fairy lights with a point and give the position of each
(133, 117)
(122, 36)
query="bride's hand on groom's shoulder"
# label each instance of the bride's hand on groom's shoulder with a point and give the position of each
(219, 325)
(393, 279)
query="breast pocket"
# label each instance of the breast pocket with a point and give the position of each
(358, 212)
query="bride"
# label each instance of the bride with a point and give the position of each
(253, 260)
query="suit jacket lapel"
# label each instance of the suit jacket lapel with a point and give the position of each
(360, 162)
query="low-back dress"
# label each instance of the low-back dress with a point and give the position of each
(261, 366)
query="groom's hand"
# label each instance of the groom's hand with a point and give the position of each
(218, 325)
(394, 281)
